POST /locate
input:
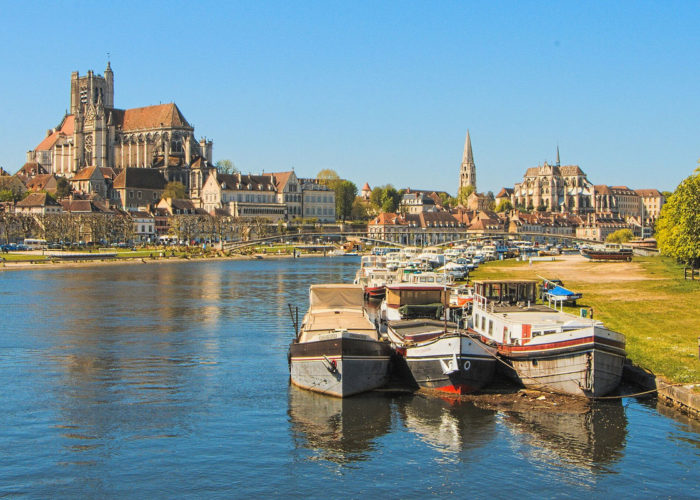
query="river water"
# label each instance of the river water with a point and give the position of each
(170, 380)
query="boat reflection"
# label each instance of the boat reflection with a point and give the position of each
(591, 439)
(449, 425)
(340, 430)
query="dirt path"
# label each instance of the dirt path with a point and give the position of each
(578, 268)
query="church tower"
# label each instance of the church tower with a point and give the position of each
(467, 171)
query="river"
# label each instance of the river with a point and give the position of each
(166, 380)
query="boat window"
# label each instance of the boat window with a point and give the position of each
(548, 332)
(483, 323)
(490, 327)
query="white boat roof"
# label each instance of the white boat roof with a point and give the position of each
(543, 316)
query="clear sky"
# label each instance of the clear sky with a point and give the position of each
(381, 92)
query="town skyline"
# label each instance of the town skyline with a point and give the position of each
(306, 104)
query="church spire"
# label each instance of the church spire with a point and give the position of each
(468, 156)
(467, 171)
(558, 162)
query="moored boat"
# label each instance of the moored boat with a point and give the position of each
(547, 349)
(608, 254)
(337, 350)
(441, 357)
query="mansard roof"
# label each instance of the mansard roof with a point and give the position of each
(623, 190)
(648, 193)
(144, 178)
(240, 181)
(150, 117)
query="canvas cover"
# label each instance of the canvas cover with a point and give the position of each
(340, 296)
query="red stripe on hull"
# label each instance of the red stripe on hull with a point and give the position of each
(559, 345)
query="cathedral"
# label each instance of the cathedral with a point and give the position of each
(95, 133)
(555, 188)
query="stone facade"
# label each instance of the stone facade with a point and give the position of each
(95, 133)
(139, 187)
(555, 188)
(652, 201)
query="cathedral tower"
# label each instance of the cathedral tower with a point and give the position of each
(467, 171)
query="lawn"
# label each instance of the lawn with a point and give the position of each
(647, 300)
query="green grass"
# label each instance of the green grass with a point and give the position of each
(659, 315)
(18, 257)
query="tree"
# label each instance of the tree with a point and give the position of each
(375, 197)
(463, 195)
(345, 193)
(226, 167)
(63, 188)
(620, 236)
(678, 227)
(175, 190)
(329, 177)
(446, 200)
(504, 205)
(391, 199)
(360, 209)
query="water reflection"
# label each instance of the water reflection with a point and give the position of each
(591, 440)
(448, 425)
(339, 430)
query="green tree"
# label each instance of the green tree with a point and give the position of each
(678, 227)
(620, 236)
(63, 188)
(463, 195)
(7, 195)
(345, 194)
(391, 199)
(175, 190)
(504, 205)
(360, 209)
(447, 201)
(375, 197)
(226, 167)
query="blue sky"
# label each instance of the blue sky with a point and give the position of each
(382, 92)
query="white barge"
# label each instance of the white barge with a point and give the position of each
(545, 348)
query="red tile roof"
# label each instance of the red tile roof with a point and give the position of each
(37, 200)
(158, 116)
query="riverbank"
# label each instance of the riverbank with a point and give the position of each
(647, 300)
(141, 258)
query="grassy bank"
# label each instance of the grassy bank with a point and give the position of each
(649, 302)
